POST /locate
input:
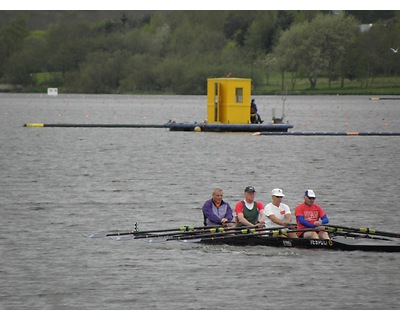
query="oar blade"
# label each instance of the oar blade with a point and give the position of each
(104, 234)
(123, 237)
(191, 240)
(369, 231)
(156, 240)
(95, 235)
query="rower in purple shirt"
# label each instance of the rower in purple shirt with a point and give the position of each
(216, 211)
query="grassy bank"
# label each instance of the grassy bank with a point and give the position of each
(378, 86)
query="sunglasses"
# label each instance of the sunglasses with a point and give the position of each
(311, 198)
(278, 197)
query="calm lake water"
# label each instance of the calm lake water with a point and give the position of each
(59, 183)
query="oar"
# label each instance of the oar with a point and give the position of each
(359, 235)
(371, 231)
(188, 237)
(123, 233)
(180, 230)
(241, 233)
(155, 238)
(260, 232)
(164, 236)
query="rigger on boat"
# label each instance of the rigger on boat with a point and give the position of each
(341, 238)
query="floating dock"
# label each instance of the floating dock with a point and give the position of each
(228, 110)
(177, 126)
(256, 129)
(231, 127)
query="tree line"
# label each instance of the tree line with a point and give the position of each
(176, 51)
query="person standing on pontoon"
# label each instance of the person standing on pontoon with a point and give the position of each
(249, 212)
(278, 214)
(216, 211)
(310, 215)
(254, 116)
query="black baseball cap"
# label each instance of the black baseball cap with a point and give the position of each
(249, 189)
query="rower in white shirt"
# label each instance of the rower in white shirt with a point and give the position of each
(277, 213)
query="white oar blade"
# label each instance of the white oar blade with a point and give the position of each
(190, 240)
(96, 235)
(156, 239)
(108, 233)
(123, 238)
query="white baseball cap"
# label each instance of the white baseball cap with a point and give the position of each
(310, 194)
(277, 192)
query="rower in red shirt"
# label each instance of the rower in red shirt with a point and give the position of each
(310, 215)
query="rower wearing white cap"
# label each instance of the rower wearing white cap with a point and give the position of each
(311, 215)
(278, 214)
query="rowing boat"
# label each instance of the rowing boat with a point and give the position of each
(341, 238)
(343, 243)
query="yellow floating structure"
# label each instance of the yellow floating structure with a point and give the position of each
(228, 100)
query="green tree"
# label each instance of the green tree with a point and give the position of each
(370, 56)
(236, 26)
(11, 40)
(68, 45)
(24, 63)
(260, 34)
(316, 47)
(289, 51)
(176, 51)
(100, 72)
(140, 74)
(339, 32)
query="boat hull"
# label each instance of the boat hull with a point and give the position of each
(336, 243)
